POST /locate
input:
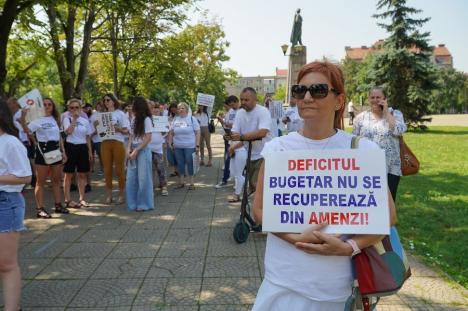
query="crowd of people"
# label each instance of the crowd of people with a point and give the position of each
(68, 147)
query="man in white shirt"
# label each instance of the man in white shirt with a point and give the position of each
(291, 117)
(252, 124)
(351, 112)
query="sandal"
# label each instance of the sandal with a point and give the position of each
(42, 213)
(108, 200)
(83, 203)
(120, 200)
(191, 187)
(179, 186)
(235, 198)
(72, 204)
(59, 209)
(174, 174)
(209, 164)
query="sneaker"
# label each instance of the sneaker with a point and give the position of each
(164, 191)
(73, 187)
(87, 188)
(221, 185)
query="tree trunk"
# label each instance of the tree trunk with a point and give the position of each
(85, 50)
(9, 13)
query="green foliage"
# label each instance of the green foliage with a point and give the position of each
(357, 79)
(452, 95)
(404, 67)
(280, 93)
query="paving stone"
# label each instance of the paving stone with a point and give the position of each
(419, 269)
(69, 268)
(226, 307)
(48, 249)
(50, 293)
(169, 291)
(30, 235)
(183, 249)
(135, 250)
(229, 291)
(107, 293)
(222, 244)
(144, 235)
(431, 291)
(88, 250)
(122, 268)
(61, 234)
(104, 235)
(31, 267)
(164, 308)
(232, 267)
(176, 267)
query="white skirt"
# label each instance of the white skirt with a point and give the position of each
(271, 297)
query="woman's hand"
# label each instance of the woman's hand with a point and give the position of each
(133, 155)
(384, 104)
(64, 157)
(328, 245)
(96, 123)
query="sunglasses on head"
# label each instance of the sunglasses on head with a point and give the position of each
(316, 91)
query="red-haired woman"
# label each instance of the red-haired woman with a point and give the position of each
(311, 270)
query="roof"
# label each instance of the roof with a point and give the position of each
(441, 50)
(358, 53)
(281, 72)
(363, 51)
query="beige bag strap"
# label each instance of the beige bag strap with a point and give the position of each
(355, 142)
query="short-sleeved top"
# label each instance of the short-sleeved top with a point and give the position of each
(13, 161)
(202, 119)
(156, 143)
(378, 130)
(148, 129)
(230, 116)
(95, 138)
(350, 107)
(46, 129)
(183, 129)
(16, 120)
(248, 121)
(82, 129)
(320, 278)
(120, 119)
(295, 121)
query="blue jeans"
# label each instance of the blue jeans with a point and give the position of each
(170, 156)
(139, 184)
(184, 158)
(11, 212)
(227, 162)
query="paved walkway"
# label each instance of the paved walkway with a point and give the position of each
(179, 257)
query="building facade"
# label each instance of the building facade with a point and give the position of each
(267, 85)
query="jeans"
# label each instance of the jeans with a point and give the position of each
(170, 156)
(227, 161)
(139, 184)
(11, 212)
(184, 158)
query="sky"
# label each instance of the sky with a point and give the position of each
(256, 29)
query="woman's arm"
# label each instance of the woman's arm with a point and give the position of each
(197, 139)
(90, 150)
(146, 140)
(396, 119)
(14, 180)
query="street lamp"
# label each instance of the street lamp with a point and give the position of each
(284, 48)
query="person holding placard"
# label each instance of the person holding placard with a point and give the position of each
(49, 139)
(113, 150)
(15, 172)
(183, 138)
(252, 124)
(205, 136)
(311, 270)
(156, 147)
(139, 185)
(383, 125)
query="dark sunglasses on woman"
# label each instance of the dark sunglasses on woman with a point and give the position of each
(316, 91)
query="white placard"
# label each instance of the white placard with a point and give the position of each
(105, 129)
(33, 102)
(160, 124)
(276, 109)
(345, 188)
(205, 99)
(196, 163)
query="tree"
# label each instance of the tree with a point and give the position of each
(404, 67)
(280, 93)
(450, 97)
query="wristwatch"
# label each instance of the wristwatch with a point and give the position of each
(354, 246)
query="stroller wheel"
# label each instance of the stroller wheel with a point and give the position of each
(241, 232)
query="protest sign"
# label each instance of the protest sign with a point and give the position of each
(205, 99)
(105, 128)
(276, 109)
(33, 102)
(196, 163)
(345, 188)
(160, 124)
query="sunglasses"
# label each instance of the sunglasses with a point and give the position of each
(317, 91)
(73, 107)
(107, 99)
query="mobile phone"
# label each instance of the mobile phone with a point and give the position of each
(227, 130)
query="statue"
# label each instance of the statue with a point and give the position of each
(296, 33)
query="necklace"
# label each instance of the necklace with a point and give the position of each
(301, 132)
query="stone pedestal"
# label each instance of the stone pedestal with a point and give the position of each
(297, 59)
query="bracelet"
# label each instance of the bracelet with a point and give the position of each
(354, 246)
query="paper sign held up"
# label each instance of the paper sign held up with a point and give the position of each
(205, 99)
(345, 188)
(160, 124)
(33, 102)
(105, 128)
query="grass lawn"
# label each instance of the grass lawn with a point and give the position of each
(432, 206)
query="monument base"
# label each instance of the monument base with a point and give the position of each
(297, 59)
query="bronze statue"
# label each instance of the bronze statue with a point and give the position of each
(296, 33)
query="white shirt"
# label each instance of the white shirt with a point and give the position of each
(320, 278)
(246, 122)
(46, 129)
(82, 129)
(16, 120)
(13, 161)
(350, 107)
(120, 119)
(230, 116)
(295, 121)
(156, 143)
(202, 119)
(148, 129)
(95, 138)
(184, 131)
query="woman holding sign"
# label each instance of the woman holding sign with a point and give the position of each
(383, 125)
(311, 270)
(205, 136)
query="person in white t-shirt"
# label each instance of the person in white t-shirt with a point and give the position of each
(351, 112)
(205, 136)
(113, 149)
(156, 146)
(139, 184)
(49, 138)
(15, 172)
(183, 138)
(311, 270)
(252, 123)
(292, 118)
(96, 140)
(78, 152)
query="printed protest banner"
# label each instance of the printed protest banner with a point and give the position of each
(33, 102)
(105, 128)
(345, 188)
(276, 109)
(160, 124)
(205, 99)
